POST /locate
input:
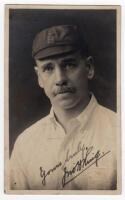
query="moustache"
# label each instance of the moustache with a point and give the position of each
(64, 89)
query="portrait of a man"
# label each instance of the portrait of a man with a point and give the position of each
(74, 145)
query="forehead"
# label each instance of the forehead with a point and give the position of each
(60, 58)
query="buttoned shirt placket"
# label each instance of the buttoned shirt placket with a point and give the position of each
(76, 132)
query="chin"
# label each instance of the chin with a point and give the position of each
(67, 105)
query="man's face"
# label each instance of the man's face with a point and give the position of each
(64, 79)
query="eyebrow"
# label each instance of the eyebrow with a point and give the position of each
(63, 60)
(69, 60)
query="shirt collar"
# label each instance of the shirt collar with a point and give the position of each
(87, 112)
(83, 116)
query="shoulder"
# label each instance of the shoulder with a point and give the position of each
(106, 114)
(107, 122)
(34, 133)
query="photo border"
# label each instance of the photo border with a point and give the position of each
(6, 97)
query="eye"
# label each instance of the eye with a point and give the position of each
(70, 65)
(48, 67)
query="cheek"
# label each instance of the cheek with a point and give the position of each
(47, 86)
(80, 78)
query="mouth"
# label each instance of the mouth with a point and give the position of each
(64, 90)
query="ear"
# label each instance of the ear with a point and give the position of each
(39, 77)
(90, 66)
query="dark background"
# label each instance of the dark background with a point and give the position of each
(27, 101)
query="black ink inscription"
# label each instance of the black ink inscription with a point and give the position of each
(88, 158)
(80, 148)
(82, 165)
(43, 173)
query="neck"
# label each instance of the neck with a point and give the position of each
(63, 116)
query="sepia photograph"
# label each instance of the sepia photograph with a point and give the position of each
(62, 99)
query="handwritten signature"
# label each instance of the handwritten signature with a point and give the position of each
(80, 149)
(82, 165)
(43, 173)
(88, 159)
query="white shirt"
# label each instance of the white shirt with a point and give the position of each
(44, 157)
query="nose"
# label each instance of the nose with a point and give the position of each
(61, 78)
